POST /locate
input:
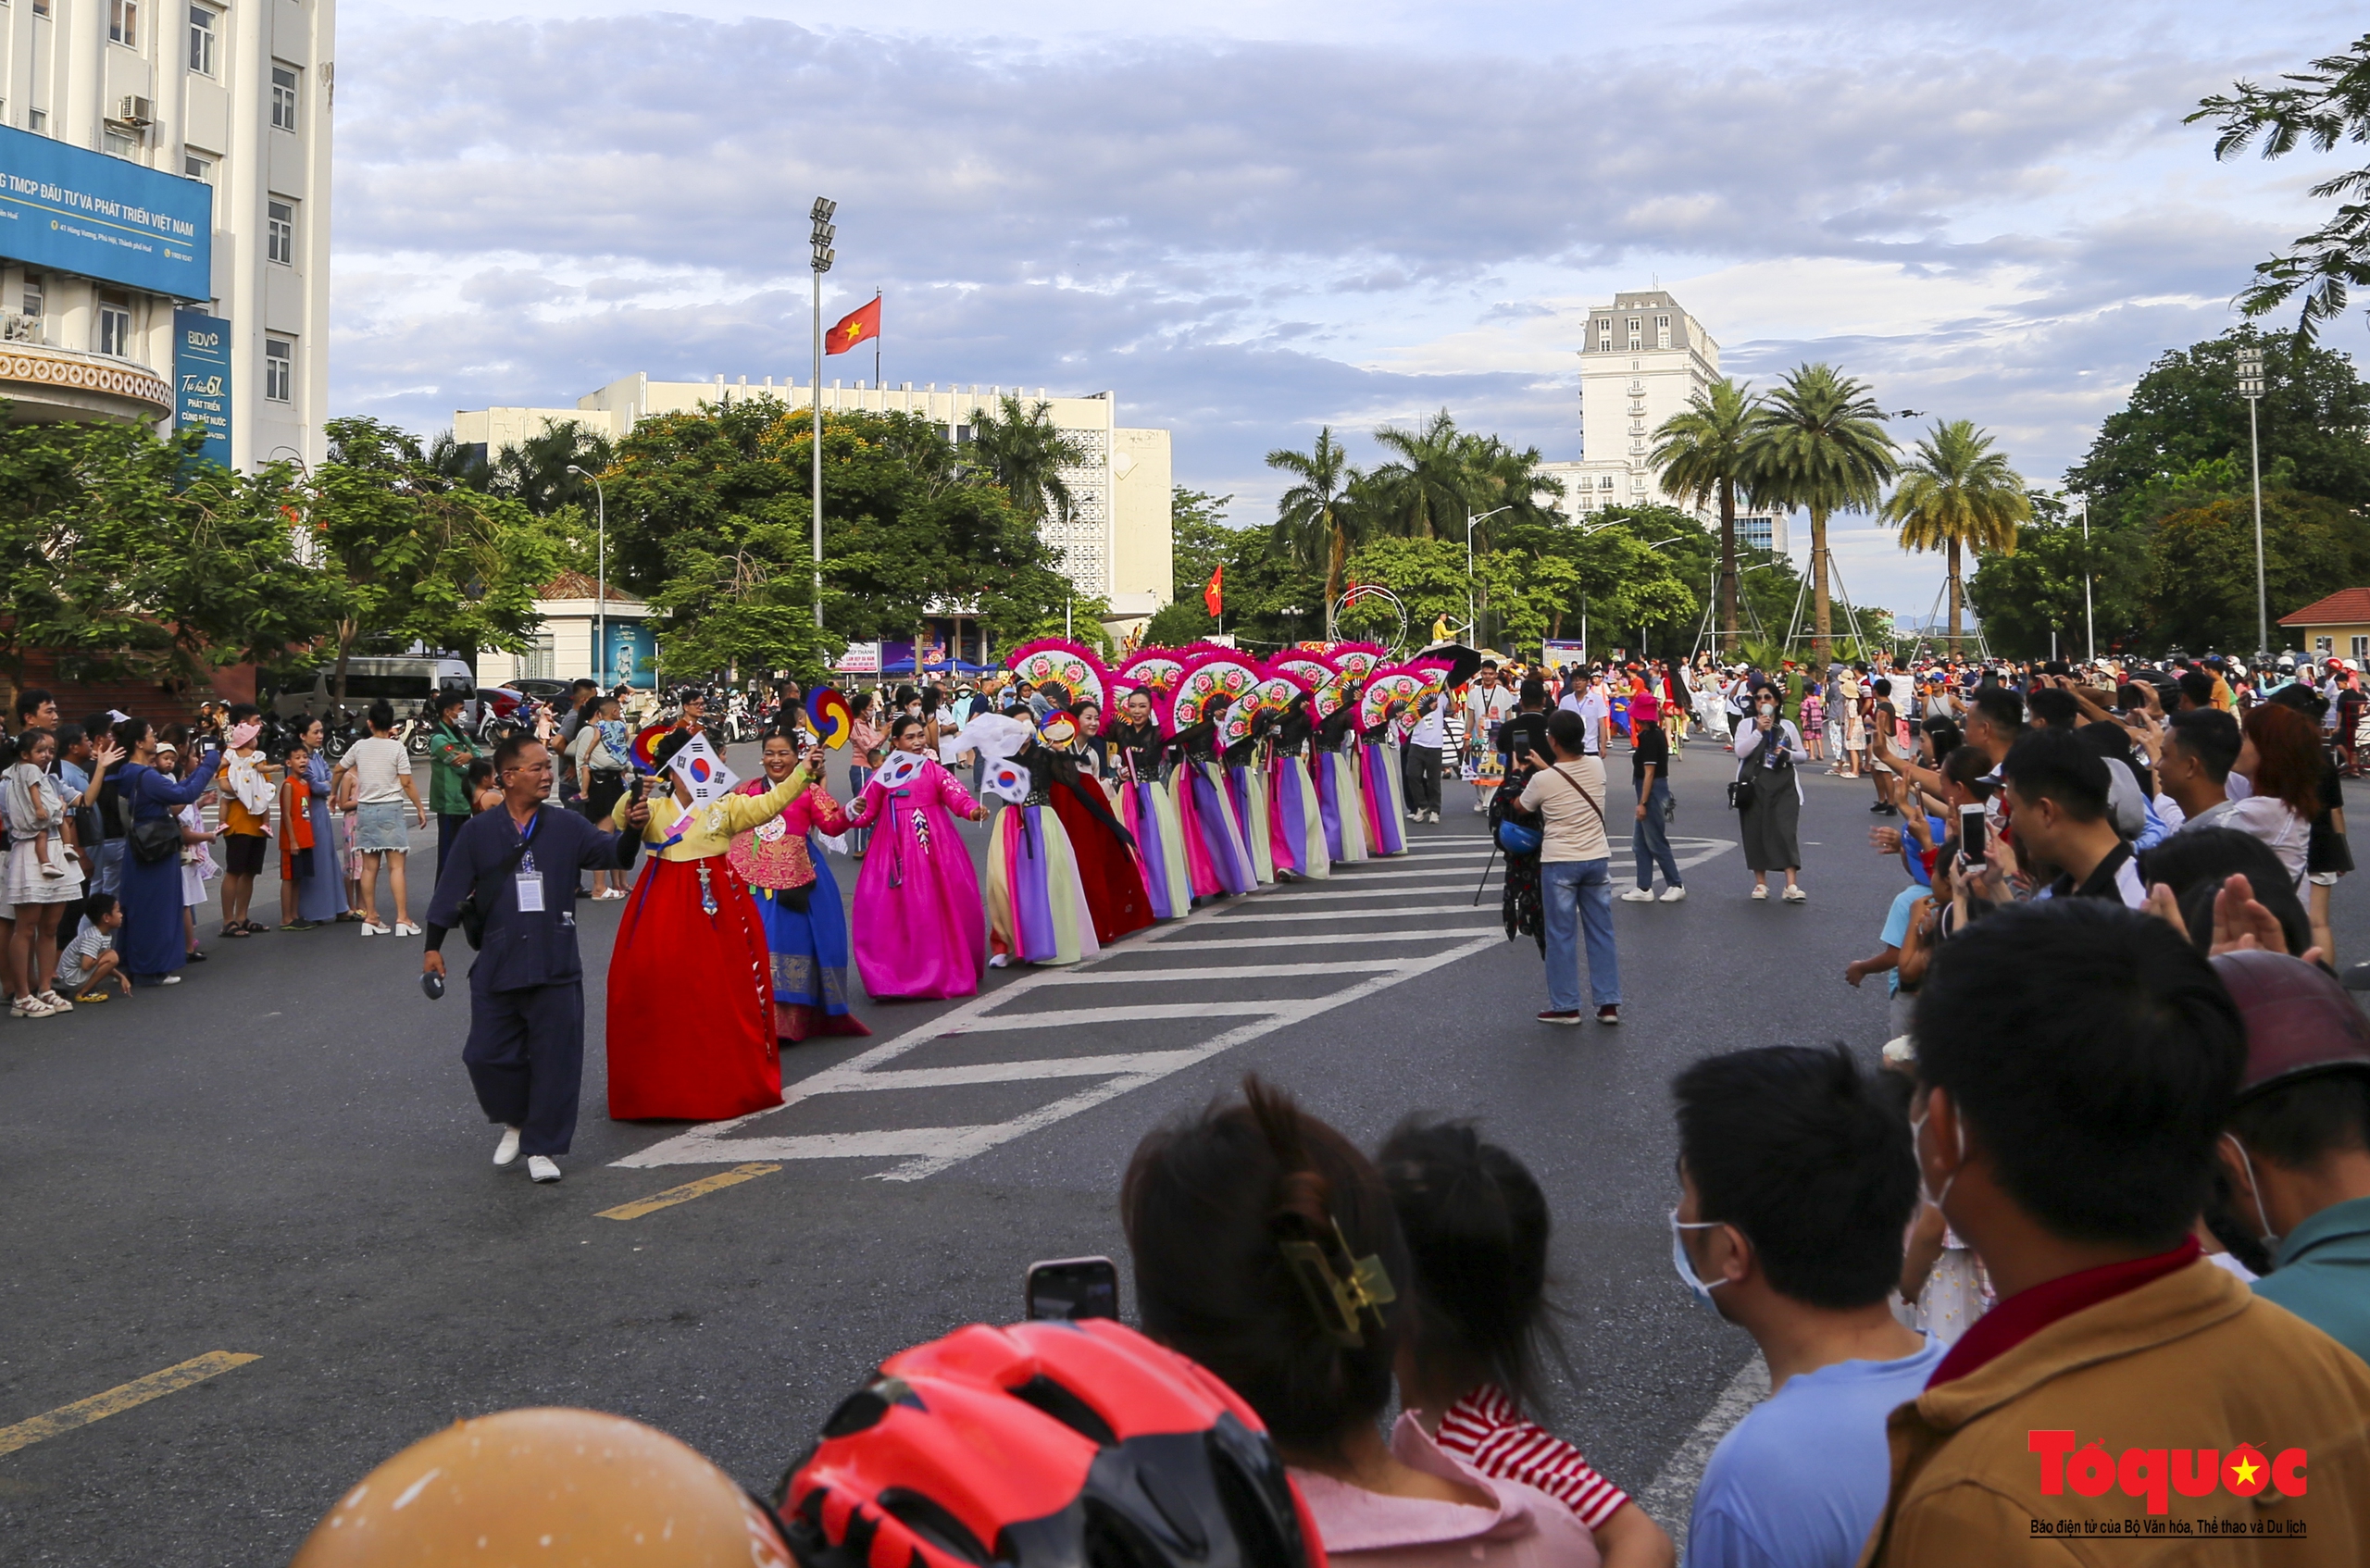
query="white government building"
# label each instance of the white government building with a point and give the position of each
(165, 217)
(1115, 544)
(1643, 359)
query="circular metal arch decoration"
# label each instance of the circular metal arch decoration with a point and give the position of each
(1360, 592)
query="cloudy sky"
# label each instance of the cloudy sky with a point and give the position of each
(1251, 219)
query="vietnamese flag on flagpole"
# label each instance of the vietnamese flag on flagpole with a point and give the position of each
(1214, 596)
(860, 325)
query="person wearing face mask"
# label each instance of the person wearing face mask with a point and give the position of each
(1797, 1182)
(1768, 795)
(2079, 1063)
(2296, 1153)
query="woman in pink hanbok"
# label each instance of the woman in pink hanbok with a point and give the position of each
(920, 928)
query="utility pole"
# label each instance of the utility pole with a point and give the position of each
(820, 216)
(2090, 624)
(2250, 388)
(600, 583)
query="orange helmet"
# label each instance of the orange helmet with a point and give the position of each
(1045, 1445)
(570, 1486)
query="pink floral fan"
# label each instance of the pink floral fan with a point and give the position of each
(1072, 665)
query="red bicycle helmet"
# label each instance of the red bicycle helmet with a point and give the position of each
(1045, 1445)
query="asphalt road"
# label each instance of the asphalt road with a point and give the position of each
(280, 1159)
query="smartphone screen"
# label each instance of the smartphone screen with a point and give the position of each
(1073, 1288)
(1974, 841)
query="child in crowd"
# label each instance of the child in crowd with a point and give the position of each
(478, 782)
(90, 961)
(1476, 1229)
(1815, 723)
(246, 809)
(296, 849)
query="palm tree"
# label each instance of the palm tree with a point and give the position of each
(1958, 494)
(1816, 445)
(536, 471)
(1023, 451)
(1428, 491)
(1314, 519)
(1702, 455)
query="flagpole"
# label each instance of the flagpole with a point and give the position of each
(876, 382)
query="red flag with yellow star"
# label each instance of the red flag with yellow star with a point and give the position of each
(860, 325)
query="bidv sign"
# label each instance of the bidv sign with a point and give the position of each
(202, 380)
(74, 210)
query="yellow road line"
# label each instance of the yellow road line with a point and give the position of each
(116, 1400)
(686, 1192)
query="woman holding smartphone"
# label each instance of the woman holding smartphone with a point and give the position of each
(1768, 749)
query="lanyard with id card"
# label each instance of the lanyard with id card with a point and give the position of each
(530, 881)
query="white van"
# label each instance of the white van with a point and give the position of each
(405, 681)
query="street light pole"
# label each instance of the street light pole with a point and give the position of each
(2089, 622)
(600, 582)
(2250, 388)
(1473, 627)
(820, 217)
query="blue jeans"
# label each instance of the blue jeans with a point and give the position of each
(1649, 839)
(1579, 893)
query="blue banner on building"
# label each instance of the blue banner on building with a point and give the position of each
(202, 380)
(105, 218)
(633, 654)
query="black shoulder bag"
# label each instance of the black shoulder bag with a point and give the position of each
(472, 915)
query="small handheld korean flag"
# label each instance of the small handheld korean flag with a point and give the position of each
(702, 771)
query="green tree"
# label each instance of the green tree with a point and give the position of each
(125, 556)
(1427, 488)
(2321, 107)
(1817, 445)
(1026, 452)
(402, 556)
(1702, 453)
(1315, 524)
(1957, 494)
(2186, 409)
(711, 517)
(2201, 564)
(540, 472)
(2026, 597)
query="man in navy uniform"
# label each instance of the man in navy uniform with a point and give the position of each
(526, 1047)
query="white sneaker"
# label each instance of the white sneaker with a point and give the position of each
(505, 1153)
(405, 928)
(540, 1167)
(1480, 807)
(171, 980)
(372, 928)
(1796, 895)
(1761, 894)
(999, 961)
(1639, 895)
(1674, 895)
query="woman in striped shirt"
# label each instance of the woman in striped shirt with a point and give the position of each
(1476, 1229)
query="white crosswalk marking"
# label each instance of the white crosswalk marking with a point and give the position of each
(1187, 950)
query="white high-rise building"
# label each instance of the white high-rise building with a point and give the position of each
(1642, 360)
(165, 217)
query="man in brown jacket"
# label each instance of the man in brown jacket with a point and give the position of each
(2126, 1403)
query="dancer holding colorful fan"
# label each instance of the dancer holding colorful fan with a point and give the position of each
(1146, 807)
(920, 928)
